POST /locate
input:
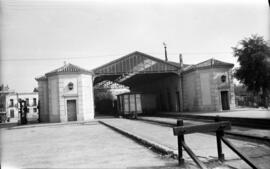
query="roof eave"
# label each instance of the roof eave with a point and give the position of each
(208, 67)
(68, 73)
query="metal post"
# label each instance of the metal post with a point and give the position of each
(180, 138)
(220, 134)
(165, 47)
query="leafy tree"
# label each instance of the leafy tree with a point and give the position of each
(1, 87)
(253, 55)
(4, 88)
(103, 101)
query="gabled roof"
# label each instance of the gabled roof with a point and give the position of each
(136, 62)
(209, 64)
(68, 68)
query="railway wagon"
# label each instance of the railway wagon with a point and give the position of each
(129, 104)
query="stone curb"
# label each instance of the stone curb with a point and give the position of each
(265, 138)
(49, 124)
(154, 146)
(240, 121)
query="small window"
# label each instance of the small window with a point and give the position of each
(223, 78)
(11, 113)
(11, 102)
(34, 102)
(70, 85)
(35, 110)
(27, 101)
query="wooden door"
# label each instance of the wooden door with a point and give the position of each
(225, 100)
(71, 110)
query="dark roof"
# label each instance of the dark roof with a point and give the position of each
(68, 68)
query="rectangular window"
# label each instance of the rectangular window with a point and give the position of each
(35, 110)
(27, 101)
(34, 102)
(11, 113)
(11, 102)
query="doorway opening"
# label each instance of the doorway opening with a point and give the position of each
(71, 110)
(225, 100)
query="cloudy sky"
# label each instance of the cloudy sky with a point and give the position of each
(37, 36)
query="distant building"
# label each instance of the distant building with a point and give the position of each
(10, 105)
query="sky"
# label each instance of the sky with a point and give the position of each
(37, 36)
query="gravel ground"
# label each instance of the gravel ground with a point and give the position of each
(75, 146)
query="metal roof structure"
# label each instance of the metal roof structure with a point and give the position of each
(136, 66)
(136, 62)
(106, 84)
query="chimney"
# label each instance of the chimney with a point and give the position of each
(181, 61)
(165, 47)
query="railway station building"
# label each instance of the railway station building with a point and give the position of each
(165, 86)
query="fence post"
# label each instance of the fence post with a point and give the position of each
(220, 134)
(180, 138)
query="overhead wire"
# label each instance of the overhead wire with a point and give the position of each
(106, 55)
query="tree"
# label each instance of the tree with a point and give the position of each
(103, 101)
(253, 55)
(1, 87)
(4, 88)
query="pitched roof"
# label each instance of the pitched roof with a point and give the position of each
(136, 62)
(68, 68)
(208, 64)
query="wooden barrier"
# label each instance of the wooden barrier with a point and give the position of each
(218, 127)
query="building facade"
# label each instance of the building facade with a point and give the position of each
(165, 86)
(10, 105)
(66, 94)
(174, 87)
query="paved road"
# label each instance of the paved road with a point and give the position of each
(204, 145)
(74, 146)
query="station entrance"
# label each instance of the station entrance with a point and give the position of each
(157, 81)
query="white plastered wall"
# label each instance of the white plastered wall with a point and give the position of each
(53, 99)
